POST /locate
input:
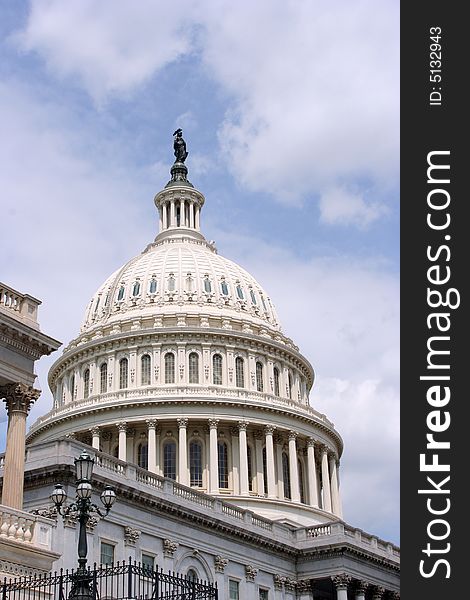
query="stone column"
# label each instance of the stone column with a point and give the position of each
(325, 476)
(341, 583)
(122, 428)
(191, 215)
(18, 398)
(172, 214)
(312, 473)
(197, 218)
(158, 461)
(280, 473)
(152, 447)
(293, 467)
(259, 462)
(360, 590)
(335, 501)
(213, 457)
(244, 488)
(182, 213)
(164, 216)
(235, 460)
(270, 472)
(95, 437)
(183, 452)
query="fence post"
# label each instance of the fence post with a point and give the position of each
(4, 591)
(129, 579)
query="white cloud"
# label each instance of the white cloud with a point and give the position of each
(339, 206)
(313, 85)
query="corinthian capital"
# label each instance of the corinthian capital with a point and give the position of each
(18, 397)
(341, 581)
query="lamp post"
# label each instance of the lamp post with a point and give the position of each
(82, 507)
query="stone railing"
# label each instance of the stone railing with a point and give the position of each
(23, 527)
(20, 306)
(145, 394)
(63, 452)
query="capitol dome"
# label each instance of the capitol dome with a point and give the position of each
(181, 368)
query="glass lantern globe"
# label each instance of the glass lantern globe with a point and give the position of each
(84, 489)
(108, 497)
(84, 466)
(59, 495)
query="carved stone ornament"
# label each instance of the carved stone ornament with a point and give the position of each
(213, 423)
(290, 584)
(18, 397)
(169, 548)
(361, 587)
(131, 536)
(106, 436)
(341, 581)
(279, 581)
(50, 512)
(122, 426)
(269, 429)
(378, 593)
(242, 425)
(394, 595)
(250, 572)
(220, 563)
(304, 585)
(183, 422)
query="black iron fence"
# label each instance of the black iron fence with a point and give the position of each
(123, 581)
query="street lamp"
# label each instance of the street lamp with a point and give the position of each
(82, 507)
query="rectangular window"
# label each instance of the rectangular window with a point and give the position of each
(233, 590)
(148, 561)
(107, 554)
(263, 595)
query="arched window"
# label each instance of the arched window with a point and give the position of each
(191, 575)
(259, 377)
(103, 378)
(143, 456)
(264, 303)
(169, 460)
(222, 454)
(96, 305)
(240, 292)
(123, 373)
(286, 475)
(250, 468)
(207, 285)
(86, 383)
(239, 372)
(169, 367)
(136, 288)
(171, 283)
(289, 386)
(153, 286)
(195, 463)
(276, 382)
(224, 287)
(301, 481)
(189, 283)
(253, 297)
(72, 386)
(265, 472)
(217, 369)
(145, 370)
(120, 295)
(194, 367)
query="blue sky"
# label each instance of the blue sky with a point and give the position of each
(290, 113)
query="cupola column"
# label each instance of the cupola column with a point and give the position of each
(269, 430)
(197, 223)
(293, 467)
(172, 214)
(280, 473)
(312, 473)
(122, 428)
(213, 457)
(183, 452)
(165, 215)
(335, 499)
(152, 447)
(182, 213)
(191, 215)
(95, 437)
(325, 477)
(244, 487)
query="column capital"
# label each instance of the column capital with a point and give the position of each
(213, 423)
(151, 423)
(311, 442)
(341, 581)
(378, 592)
(242, 425)
(95, 431)
(333, 457)
(324, 449)
(394, 595)
(292, 435)
(250, 572)
(18, 397)
(182, 422)
(269, 429)
(361, 587)
(122, 426)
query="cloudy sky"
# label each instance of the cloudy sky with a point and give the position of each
(290, 113)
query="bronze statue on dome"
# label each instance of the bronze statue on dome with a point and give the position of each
(179, 146)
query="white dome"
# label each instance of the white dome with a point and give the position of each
(181, 276)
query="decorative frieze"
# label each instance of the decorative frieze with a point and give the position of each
(250, 572)
(131, 536)
(304, 585)
(220, 563)
(290, 584)
(169, 548)
(279, 581)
